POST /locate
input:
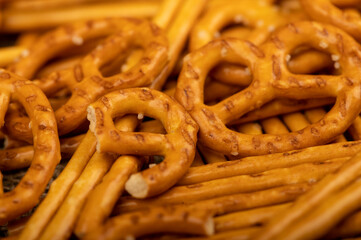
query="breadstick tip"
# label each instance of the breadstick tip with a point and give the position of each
(137, 186)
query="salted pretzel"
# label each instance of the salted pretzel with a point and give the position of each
(177, 146)
(327, 11)
(343, 184)
(46, 144)
(273, 80)
(85, 80)
(15, 19)
(263, 18)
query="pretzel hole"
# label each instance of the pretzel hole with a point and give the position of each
(123, 62)
(235, 30)
(308, 60)
(152, 126)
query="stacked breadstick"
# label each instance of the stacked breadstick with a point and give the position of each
(181, 119)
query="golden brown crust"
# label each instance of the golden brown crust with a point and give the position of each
(85, 79)
(329, 190)
(270, 81)
(102, 199)
(256, 164)
(47, 150)
(177, 146)
(325, 11)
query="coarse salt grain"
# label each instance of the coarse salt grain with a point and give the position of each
(323, 44)
(335, 57)
(217, 34)
(140, 116)
(234, 153)
(260, 23)
(25, 53)
(247, 71)
(224, 52)
(337, 65)
(238, 19)
(271, 28)
(77, 40)
(288, 58)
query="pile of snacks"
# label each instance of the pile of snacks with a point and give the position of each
(194, 119)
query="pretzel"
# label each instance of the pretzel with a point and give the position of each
(325, 11)
(250, 128)
(47, 151)
(102, 199)
(88, 83)
(273, 126)
(178, 146)
(177, 34)
(261, 17)
(178, 219)
(120, 225)
(63, 221)
(264, 19)
(211, 156)
(63, 184)
(248, 218)
(242, 201)
(295, 121)
(14, 20)
(350, 227)
(355, 129)
(270, 81)
(243, 234)
(308, 172)
(329, 187)
(153, 126)
(327, 214)
(257, 164)
(316, 114)
(280, 107)
(17, 158)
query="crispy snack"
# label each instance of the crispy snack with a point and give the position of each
(343, 184)
(327, 11)
(273, 125)
(177, 146)
(248, 218)
(163, 218)
(280, 107)
(68, 192)
(308, 172)
(85, 80)
(15, 20)
(257, 164)
(273, 80)
(263, 18)
(47, 150)
(174, 219)
(21, 157)
(101, 200)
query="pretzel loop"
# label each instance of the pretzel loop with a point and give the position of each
(46, 145)
(327, 11)
(87, 83)
(271, 79)
(177, 146)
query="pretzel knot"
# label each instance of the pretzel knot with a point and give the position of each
(177, 146)
(327, 11)
(85, 80)
(46, 144)
(272, 79)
